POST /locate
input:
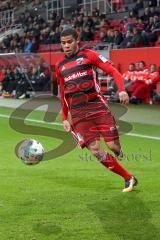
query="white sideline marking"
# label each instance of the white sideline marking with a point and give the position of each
(32, 120)
(60, 124)
(142, 136)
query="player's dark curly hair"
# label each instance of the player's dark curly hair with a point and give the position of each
(68, 32)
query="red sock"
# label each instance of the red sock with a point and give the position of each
(111, 163)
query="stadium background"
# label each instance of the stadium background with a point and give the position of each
(72, 196)
(35, 26)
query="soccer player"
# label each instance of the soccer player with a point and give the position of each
(90, 116)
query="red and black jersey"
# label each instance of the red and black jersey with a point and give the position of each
(78, 79)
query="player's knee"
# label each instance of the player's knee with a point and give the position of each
(94, 146)
(95, 149)
(114, 147)
(99, 155)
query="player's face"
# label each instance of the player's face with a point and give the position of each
(69, 45)
(131, 67)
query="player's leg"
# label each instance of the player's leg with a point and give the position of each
(88, 132)
(107, 127)
(111, 163)
(115, 147)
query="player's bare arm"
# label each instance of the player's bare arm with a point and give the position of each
(107, 66)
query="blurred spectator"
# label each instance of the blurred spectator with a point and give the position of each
(79, 21)
(126, 40)
(118, 38)
(37, 78)
(103, 36)
(139, 5)
(22, 83)
(86, 34)
(126, 25)
(129, 76)
(137, 67)
(137, 39)
(140, 24)
(9, 83)
(149, 24)
(153, 12)
(35, 45)
(28, 45)
(56, 35)
(140, 73)
(96, 24)
(110, 36)
(146, 14)
(152, 29)
(143, 90)
(156, 23)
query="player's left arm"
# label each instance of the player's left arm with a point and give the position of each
(107, 66)
(62, 97)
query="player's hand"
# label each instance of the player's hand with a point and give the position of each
(123, 97)
(66, 126)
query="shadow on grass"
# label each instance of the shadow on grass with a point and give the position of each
(47, 228)
(126, 217)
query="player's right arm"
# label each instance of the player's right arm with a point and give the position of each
(105, 65)
(65, 121)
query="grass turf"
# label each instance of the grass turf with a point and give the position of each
(73, 197)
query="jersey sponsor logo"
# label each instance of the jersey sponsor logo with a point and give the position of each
(75, 75)
(79, 61)
(103, 59)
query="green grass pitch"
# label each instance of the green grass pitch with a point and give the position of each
(73, 197)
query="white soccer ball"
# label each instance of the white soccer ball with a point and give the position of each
(31, 152)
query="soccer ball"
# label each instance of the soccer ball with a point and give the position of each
(31, 152)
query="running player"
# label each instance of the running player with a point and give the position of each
(90, 116)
